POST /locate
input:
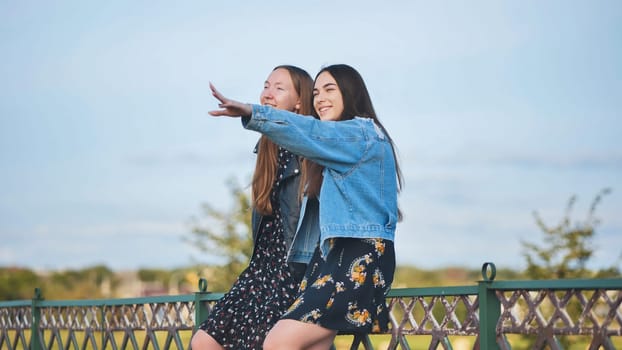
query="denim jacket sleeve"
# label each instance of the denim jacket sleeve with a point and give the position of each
(335, 145)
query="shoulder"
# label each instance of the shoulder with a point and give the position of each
(363, 121)
(371, 128)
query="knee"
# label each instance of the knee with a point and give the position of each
(268, 343)
(195, 342)
(199, 340)
(273, 342)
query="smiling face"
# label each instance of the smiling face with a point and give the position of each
(327, 98)
(279, 92)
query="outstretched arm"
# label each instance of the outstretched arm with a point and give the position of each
(228, 107)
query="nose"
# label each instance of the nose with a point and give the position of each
(267, 93)
(318, 97)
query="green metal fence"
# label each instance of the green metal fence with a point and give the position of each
(546, 314)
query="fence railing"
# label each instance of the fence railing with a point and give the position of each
(543, 314)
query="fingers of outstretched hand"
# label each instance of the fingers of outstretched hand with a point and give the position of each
(222, 104)
(216, 93)
(217, 113)
(229, 107)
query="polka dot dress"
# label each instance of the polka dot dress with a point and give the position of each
(264, 290)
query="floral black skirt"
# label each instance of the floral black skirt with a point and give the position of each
(347, 291)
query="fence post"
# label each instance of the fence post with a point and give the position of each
(104, 326)
(489, 309)
(35, 311)
(200, 309)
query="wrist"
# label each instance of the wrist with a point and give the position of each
(248, 110)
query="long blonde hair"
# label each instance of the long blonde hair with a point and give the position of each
(267, 151)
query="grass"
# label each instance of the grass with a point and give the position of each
(342, 342)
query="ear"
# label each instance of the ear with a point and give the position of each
(297, 107)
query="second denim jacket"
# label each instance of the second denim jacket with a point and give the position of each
(288, 202)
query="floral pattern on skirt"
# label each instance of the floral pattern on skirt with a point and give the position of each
(347, 291)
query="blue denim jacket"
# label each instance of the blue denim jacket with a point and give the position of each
(358, 198)
(307, 233)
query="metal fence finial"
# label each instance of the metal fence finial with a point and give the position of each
(489, 277)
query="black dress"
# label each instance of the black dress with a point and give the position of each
(263, 291)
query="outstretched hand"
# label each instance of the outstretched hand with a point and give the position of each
(228, 107)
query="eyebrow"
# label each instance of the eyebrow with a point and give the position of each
(325, 86)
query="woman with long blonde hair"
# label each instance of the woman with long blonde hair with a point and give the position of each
(268, 286)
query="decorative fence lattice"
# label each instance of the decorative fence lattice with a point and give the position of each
(490, 315)
(549, 313)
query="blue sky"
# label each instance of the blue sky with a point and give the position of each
(498, 109)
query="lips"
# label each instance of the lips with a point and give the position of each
(324, 109)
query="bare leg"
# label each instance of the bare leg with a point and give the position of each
(296, 335)
(203, 341)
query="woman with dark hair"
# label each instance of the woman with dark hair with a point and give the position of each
(354, 186)
(268, 286)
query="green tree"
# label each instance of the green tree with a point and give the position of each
(155, 275)
(566, 247)
(225, 234)
(86, 283)
(17, 283)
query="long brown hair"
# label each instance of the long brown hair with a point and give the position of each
(267, 151)
(356, 103)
